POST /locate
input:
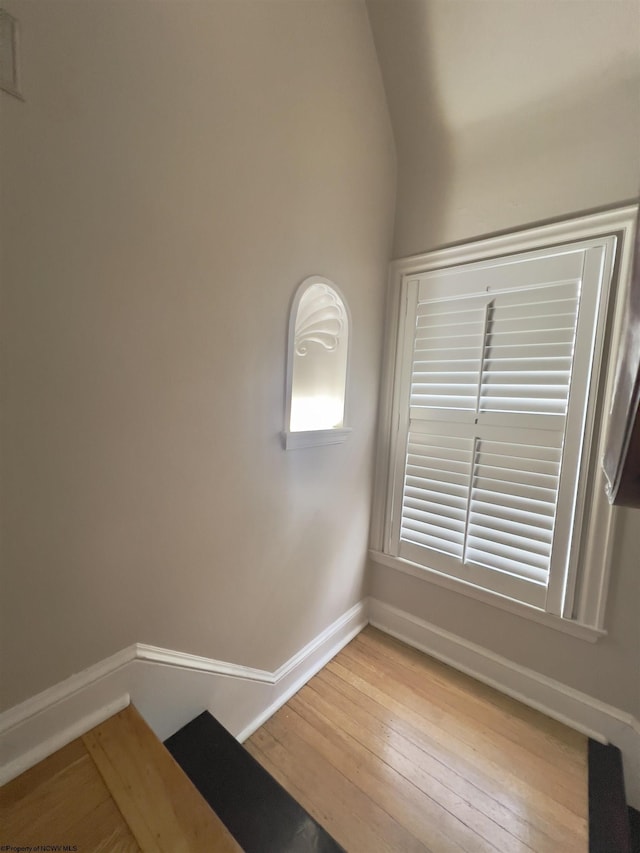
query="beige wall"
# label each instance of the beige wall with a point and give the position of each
(177, 169)
(507, 114)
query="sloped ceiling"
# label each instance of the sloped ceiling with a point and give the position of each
(507, 87)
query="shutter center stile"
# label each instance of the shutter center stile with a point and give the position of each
(472, 473)
(483, 348)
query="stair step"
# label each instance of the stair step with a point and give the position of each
(113, 788)
(256, 809)
(634, 821)
(609, 817)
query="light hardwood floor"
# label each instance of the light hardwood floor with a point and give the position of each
(115, 790)
(393, 751)
(388, 749)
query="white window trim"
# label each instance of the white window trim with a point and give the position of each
(599, 521)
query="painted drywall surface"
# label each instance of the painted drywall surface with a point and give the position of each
(506, 114)
(176, 170)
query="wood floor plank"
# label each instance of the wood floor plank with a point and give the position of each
(553, 770)
(324, 809)
(487, 817)
(471, 741)
(509, 790)
(541, 733)
(375, 639)
(318, 779)
(63, 800)
(469, 721)
(432, 822)
(350, 827)
(29, 783)
(165, 812)
(450, 761)
(507, 720)
(103, 831)
(507, 787)
(372, 727)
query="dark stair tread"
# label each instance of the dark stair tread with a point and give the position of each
(261, 815)
(609, 830)
(634, 822)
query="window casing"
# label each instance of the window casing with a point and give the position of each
(488, 479)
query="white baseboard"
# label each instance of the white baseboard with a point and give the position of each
(596, 719)
(169, 688)
(295, 673)
(42, 739)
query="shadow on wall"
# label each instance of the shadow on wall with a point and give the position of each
(488, 137)
(402, 35)
(547, 158)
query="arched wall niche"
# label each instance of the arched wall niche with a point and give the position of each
(317, 365)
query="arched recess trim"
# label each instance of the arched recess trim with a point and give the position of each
(317, 366)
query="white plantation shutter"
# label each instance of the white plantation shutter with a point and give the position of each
(487, 392)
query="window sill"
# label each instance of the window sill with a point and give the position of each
(567, 626)
(314, 438)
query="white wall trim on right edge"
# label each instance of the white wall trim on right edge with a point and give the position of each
(594, 718)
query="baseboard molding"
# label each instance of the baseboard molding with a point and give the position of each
(65, 690)
(596, 719)
(34, 743)
(169, 688)
(295, 673)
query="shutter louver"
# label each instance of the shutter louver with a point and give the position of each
(447, 354)
(512, 508)
(529, 350)
(436, 492)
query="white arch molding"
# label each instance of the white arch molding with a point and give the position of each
(317, 366)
